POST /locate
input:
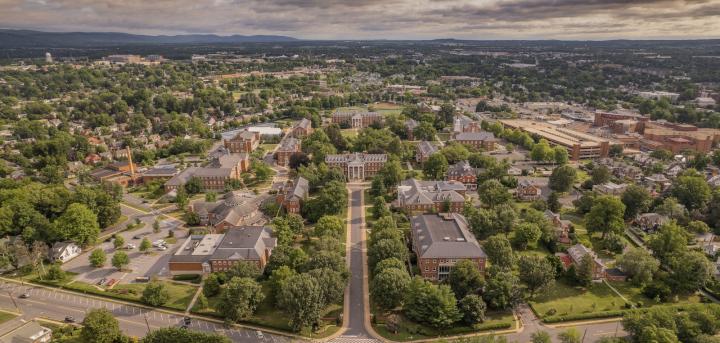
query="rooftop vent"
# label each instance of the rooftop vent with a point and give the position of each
(460, 239)
(446, 239)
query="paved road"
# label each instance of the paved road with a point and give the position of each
(134, 320)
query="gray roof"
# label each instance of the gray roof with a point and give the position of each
(444, 236)
(233, 208)
(474, 136)
(427, 148)
(165, 171)
(228, 160)
(290, 144)
(413, 191)
(245, 243)
(461, 168)
(303, 123)
(298, 189)
(411, 124)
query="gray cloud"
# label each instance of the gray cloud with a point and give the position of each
(376, 19)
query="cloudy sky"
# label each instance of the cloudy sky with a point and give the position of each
(376, 19)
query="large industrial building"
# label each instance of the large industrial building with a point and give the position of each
(580, 145)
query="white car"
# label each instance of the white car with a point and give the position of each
(259, 334)
(130, 246)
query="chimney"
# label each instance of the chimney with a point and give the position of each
(130, 161)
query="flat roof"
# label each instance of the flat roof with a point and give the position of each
(558, 135)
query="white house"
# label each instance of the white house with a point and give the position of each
(64, 251)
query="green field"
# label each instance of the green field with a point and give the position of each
(563, 299)
(409, 330)
(5, 316)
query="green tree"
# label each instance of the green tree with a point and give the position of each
(301, 296)
(636, 199)
(670, 239)
(570, 335)
(193, 185)
(691, 190)
(240, 298)
(329, 225)
(389, 286)
(600, 175)
(386, 248)
(541, 337)
(278, 279)
(145, 245)
(54, 272)
(553, 202)
(78, 224)
(180, 335)
(118, 242)
(331, 200)
(562, 178)
(425, 131)
(156, 226)
(120, 260)
(502, 290)
(465, 278)
(492, 193)
(542, 152)
(472, 308)
(211, 286)
(435, 167)
(584, 271)
(560, 154)
(639, 264)
(605, 216)
(691, 270)
(97, 258)
(100, 326)
(155, 294)
(536, 272)
(526, 234)
(244, 269)
(432, 304)
(332, 284)
(499, 252)
(389, 263)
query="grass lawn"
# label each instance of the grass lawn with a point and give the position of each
(409, 330)
(268, 147)
(443, 136)
(565, 299)
(349, 133)
(5, 316)
(634, 294)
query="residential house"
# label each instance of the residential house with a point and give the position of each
(431, 196)
(424, 150)
(292, 194)
(658, 181)
(288, 147)
(578, 252)
(219, 252)
(64, 251)
(526, 190)
(610, 188)
(236, 208)
(562, 227)
(357, 166)
(463, 172)
(440, 241)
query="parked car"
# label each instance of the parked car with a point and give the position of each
(24, 295)
(130, 246)
(162, 248)
(69, 319)
(101, 282)
(259, 334)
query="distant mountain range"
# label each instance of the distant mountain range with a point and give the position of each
(40, 39)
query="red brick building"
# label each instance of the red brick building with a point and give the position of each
(243, 141)
(292, 195)
(356, 119)
(302, 129)
(463, 172)
(417, 196)
(288, 147)
(357, 166)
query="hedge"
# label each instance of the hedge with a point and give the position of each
(493, 326)
(584, 316)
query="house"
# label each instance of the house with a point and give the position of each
(526, 190)
(203, 254)
(658, 181)
(615, 274)
(243, 141)
(431, 196)
(514, 171)
(292, 194)
(29, 332)
(463, 172)
(410, 126)
(562, 227)
(479, 140)
(236, 208)
(650, 222)
(610, 188)
(64, 251)
(578, 252)
(288, 147)
(302, 129)
(424, 150)
(357, 166)
(440, 241)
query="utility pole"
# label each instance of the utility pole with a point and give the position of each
(146, 321)
(13, 301)
(584, 334)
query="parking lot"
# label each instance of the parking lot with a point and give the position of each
(153, 263)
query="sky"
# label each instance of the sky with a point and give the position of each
(376, 19)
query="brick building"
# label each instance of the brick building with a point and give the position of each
(424, 150)
(440, 241)
(463, 172)
(430, 196)
(302, 129)
(215, 175)
(356, 119)
(288, 147)
(357, 166)
(292, 194)
(243, 141)
(236, 208)
(480, 140)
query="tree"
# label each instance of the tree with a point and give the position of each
(432, 304)
(691, 190)
(639, 265)
(425, 131)
(211, 286)
(240, 298)
(570, 335)
(100, 326)
(155, 294)
(180, 335)
(386, 248)
(389, 263)
(585, 202)
(636, 199)
(584, 271)
(296, 223)
(97, 258)
(78, 224)
(670, 239)
(284, 255)
(541, 337)
(301, 297)
(389, 286)
(465, 278)
(697, 226)
(145, 245)
(55, 273)
(536, 272)
(562, 178)
(193, 185)
(118, 242)
(502, 290)
(331, 200)
(472, 308)
(499, 251)
(542, 151)
(120, 260)
(600, 175)
(244, 269)
(605, 216)
(691, 270)
(553, 202)
(329, 225)
(435, 167)
(526, 234)
(332, 284)
(156, 226)
(278, 279)
(560, 155)
(492, 193)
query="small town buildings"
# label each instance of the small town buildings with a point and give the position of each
(479, 140)
(463, 172)
(302, 129)
(288, 147)
(356, 119)
(64, 251)
(205, 254)
(610, 188)
(122, 173)
(440, 241)
(213, 177)
(357, 166)
(410, 126)
(657, 181)
(562, 227)
(526, 190)
(244, 141)
(580, 145)
(431, 196)
(578, 252)
(236, 208)
(29, 332)
(161, 173)
(292, 194)
(650, 222)
(424, 150)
